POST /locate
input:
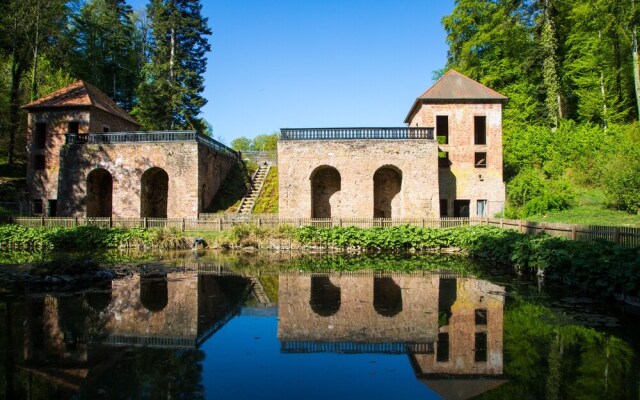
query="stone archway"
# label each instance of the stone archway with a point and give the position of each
(325, 182)
(325, 296)
(154, 193)
(387, 183)
(154, 291)
(387, 296)
(99, 193)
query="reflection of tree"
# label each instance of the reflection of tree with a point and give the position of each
(152, 374)
(547, 360)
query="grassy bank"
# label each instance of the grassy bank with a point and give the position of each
(600, 267)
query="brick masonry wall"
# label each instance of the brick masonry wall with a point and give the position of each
(126, 163)
(43, 184)
(463, 180)
(357, 161)
(213, 168)
(101, 119)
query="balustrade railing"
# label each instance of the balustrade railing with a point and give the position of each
(355, 133)
(149, 137)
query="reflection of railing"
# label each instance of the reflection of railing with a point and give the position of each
(149, 137)
(146, 341)
(355, 347)
(355, 133)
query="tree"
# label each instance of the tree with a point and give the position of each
(170, 96)
(241, 144)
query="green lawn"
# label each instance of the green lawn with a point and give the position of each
(589, 215)
(267, 201)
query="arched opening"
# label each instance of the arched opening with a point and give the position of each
(325, 182)
(387, 297)
(99, 193)
(154, 293)
(154, 193)
(387, 182)
(99, 297)
(325, 296)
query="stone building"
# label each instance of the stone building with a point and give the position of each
(447, 162)
(86, 158)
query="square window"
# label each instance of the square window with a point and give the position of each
(38, 162)
(481, 208)
(73, 127)
(37, 207)
(40, 138)
(442, 129)
(481, 316)
(105, 129)
(481, 347)
(480, 129)
(481, 159)
(443, 159)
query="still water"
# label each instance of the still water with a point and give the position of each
(220, 330)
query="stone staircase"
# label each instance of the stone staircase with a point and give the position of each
(259, 292)
(247, 204)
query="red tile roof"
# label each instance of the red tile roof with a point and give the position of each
(455, 86)
(80, 94)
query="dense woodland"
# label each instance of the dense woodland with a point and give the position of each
(150, 62)
(570, 70)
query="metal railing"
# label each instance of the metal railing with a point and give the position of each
(150, 137)
(355, 133)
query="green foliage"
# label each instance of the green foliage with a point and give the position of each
(267, 201)
(232, 190)
(264, 142)
(530, 193)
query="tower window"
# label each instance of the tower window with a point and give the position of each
(38, 162)
(73, 127)
(40, 139)
(480, 129)
(442, 129)
(481, 159)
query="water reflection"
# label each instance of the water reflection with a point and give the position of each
(150, 336)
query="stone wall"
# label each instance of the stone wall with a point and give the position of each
(463, 180)
(213, 168)
(101, 120)
(127, 162)
(43, 183)
(356, 162)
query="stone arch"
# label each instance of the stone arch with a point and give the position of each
(100, 297)
(387, 183)
(325, 296)
(154, 193)
(387, 296)
(325, 182)
(154, 291)
(99, 193)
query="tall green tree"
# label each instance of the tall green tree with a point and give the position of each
(170, 96)
(106, 43)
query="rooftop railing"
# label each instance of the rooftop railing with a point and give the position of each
(355, 133)
(149, 137)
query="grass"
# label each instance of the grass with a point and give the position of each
(591, 210)
(267, 201)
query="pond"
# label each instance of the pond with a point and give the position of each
(205, 326)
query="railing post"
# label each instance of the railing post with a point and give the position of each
(183, 227)
(110, 222)
(520, 226)
(42, 221)
(574, 232)
(220, 224)
(501, 223)
(76, 221)
(616, 235)
(145, 223)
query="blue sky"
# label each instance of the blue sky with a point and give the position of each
(318, 63)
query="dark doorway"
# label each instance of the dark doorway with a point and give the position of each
(387, 297)
(387, 183)
(325, 182)
(325, 296)
(52, 207)
(444, 207)
(154, 193)
(99, 193)
(461, 208)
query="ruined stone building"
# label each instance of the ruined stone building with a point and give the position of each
(447, 162)
(86, 157)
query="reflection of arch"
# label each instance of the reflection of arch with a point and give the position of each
(99, 193)
(325, 182)
(99, 298)
(154, 294)
(387, 182)
(154, 193)
(387, 297)
(325, 296)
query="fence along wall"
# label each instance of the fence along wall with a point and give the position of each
(626, 236)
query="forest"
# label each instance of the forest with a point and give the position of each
(570, 70)
(151, 62)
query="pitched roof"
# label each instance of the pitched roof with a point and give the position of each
(455, 86)
(80, 94)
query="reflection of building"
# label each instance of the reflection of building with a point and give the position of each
(70, 337)
(449, 326)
